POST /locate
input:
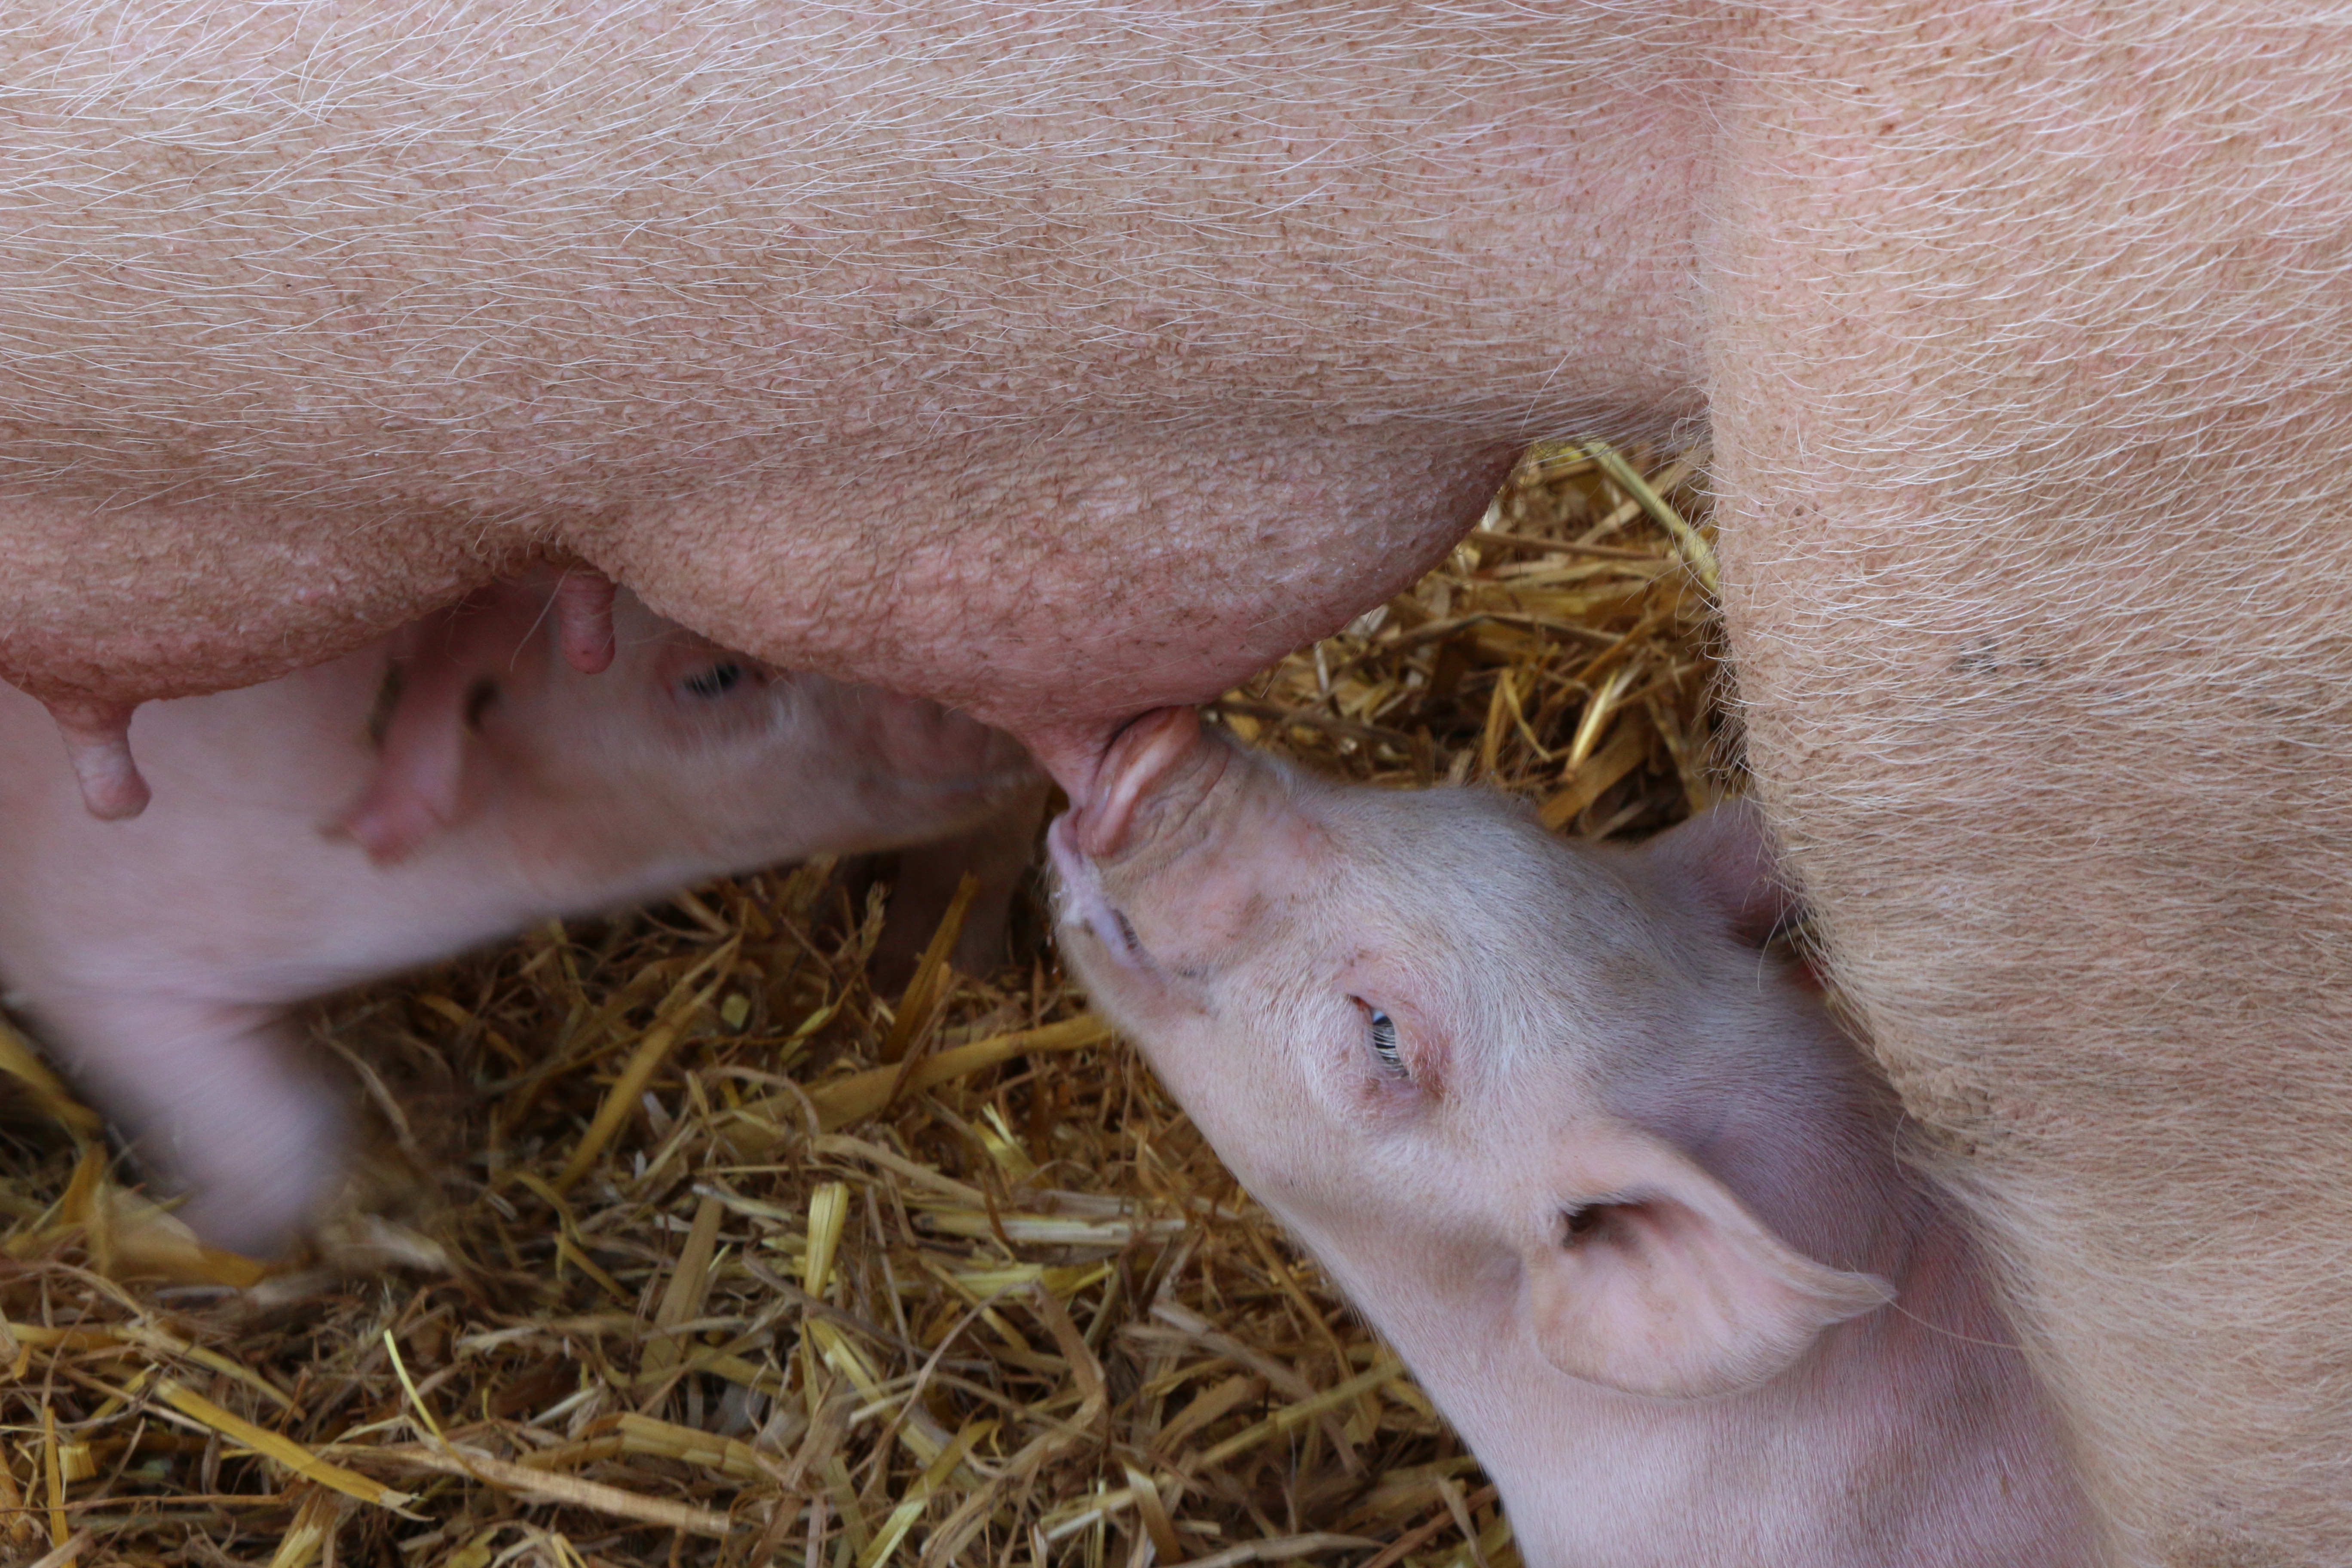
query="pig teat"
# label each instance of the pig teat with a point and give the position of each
(1138, 757)
(97, 736)
(584, 621)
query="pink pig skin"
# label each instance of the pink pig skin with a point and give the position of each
(1627, 1199)
(286, 856)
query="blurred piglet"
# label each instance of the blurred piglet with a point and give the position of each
(1600, 1168)
(456, 784)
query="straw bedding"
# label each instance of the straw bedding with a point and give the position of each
(675, 1243)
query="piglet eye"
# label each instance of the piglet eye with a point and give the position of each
(1384, 1041)
(717, 681)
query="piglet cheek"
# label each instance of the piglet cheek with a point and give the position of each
(1242, 1095)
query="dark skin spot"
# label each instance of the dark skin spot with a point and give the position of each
(478, 699)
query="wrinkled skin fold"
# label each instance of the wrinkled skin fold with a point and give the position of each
(1065, 362)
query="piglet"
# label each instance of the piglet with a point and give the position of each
(456, 784)
(1600, 1168)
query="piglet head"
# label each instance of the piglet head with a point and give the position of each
(698, 757)
(622, 752)
(1501, 1084)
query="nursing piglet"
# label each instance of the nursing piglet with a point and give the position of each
(1601, 1169)
(450, 786)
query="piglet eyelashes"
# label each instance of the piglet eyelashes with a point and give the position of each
(1581, 1224)
(717, 681)
(1383, 1031)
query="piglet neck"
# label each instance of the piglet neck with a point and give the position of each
(1935, 1388)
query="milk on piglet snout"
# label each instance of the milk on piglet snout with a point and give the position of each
(1602, 1170)
(461, 781)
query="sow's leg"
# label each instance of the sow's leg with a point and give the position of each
(2029, 397)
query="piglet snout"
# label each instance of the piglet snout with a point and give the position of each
(1084, 899)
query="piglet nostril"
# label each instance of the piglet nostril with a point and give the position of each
(480, 698)
(1086, 905)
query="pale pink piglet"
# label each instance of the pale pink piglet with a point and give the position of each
(453, 785)
(1599, 1165)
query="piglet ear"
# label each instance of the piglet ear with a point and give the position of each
(1663, 1284)
(1724, 861)
(420, 761)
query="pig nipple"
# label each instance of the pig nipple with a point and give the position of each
(584, 621)
(1140, 756)
(98, 744)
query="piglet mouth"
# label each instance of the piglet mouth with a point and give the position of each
(1083, 903)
